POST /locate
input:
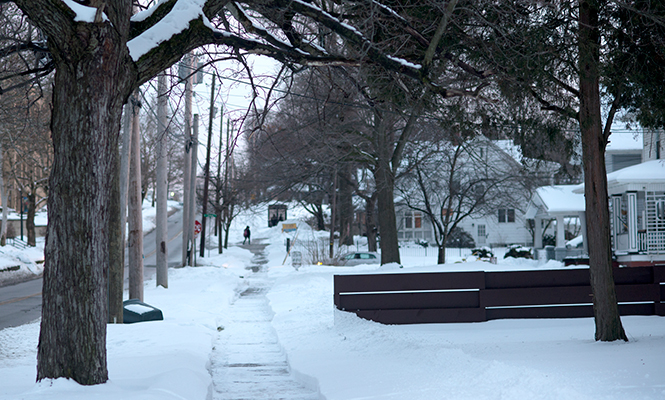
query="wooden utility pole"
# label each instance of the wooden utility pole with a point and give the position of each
(206, 176)
(161, 192)
(192, 189)
(227, 196)
(135, 215)
(186, 222)
(117, 270)
(218, 193)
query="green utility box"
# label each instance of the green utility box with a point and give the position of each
(135, 310)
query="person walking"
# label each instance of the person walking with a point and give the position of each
(247, 235)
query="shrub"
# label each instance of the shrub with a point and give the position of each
(482, 252)
(519, 252)
(459, 238)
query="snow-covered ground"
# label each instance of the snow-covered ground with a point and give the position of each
(342, 356)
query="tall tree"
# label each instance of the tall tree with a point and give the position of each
(456, 177)
(100, 55)
(560, 55)
(594, 141)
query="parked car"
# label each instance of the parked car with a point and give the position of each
(360, 257)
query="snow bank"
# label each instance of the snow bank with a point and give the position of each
(343, 356)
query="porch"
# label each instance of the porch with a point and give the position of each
(637, 213)
(561, 205)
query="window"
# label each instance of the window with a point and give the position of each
(413, 226)
(408, 220)
(506, 215)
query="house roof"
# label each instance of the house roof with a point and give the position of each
(647, 172)
(557, 199)
(624, 140)
(648, 175)
(508, 147)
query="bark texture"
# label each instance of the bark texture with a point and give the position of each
(345, 205)
(606, 309)
(370, 224)
(441, 257)
(135, 214)
(91, 84)
(387, 221)
(30, 219)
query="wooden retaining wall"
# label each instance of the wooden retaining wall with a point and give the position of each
(438, 297)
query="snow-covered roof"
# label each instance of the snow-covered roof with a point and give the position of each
(509, 148)
(648, 175)
(624, 140)
(557, 199)
(648, 172)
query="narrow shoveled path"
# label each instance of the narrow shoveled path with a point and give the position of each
(252, 364)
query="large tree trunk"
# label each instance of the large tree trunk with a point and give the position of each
(606, 309)
(387, 222)
(345, 206)
(384, 179)
(91, 85)
(441, 258)
(370, 223)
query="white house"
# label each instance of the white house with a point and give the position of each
(499, 227)
(625, 148)
(637, 201)
(637, 213)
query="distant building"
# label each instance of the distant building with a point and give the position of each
(624, 149)
(505, 225)
(637, 200)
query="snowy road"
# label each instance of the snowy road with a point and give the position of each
(20, 303)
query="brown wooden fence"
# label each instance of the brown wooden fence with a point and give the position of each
(437, 297)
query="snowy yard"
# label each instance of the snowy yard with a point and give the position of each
(342, 356)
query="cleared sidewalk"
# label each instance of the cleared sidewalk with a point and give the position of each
(254, 367)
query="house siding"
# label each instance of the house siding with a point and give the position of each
(499, 234)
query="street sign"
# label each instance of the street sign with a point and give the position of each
(289, 227)
(197, 228)
(210, 215)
